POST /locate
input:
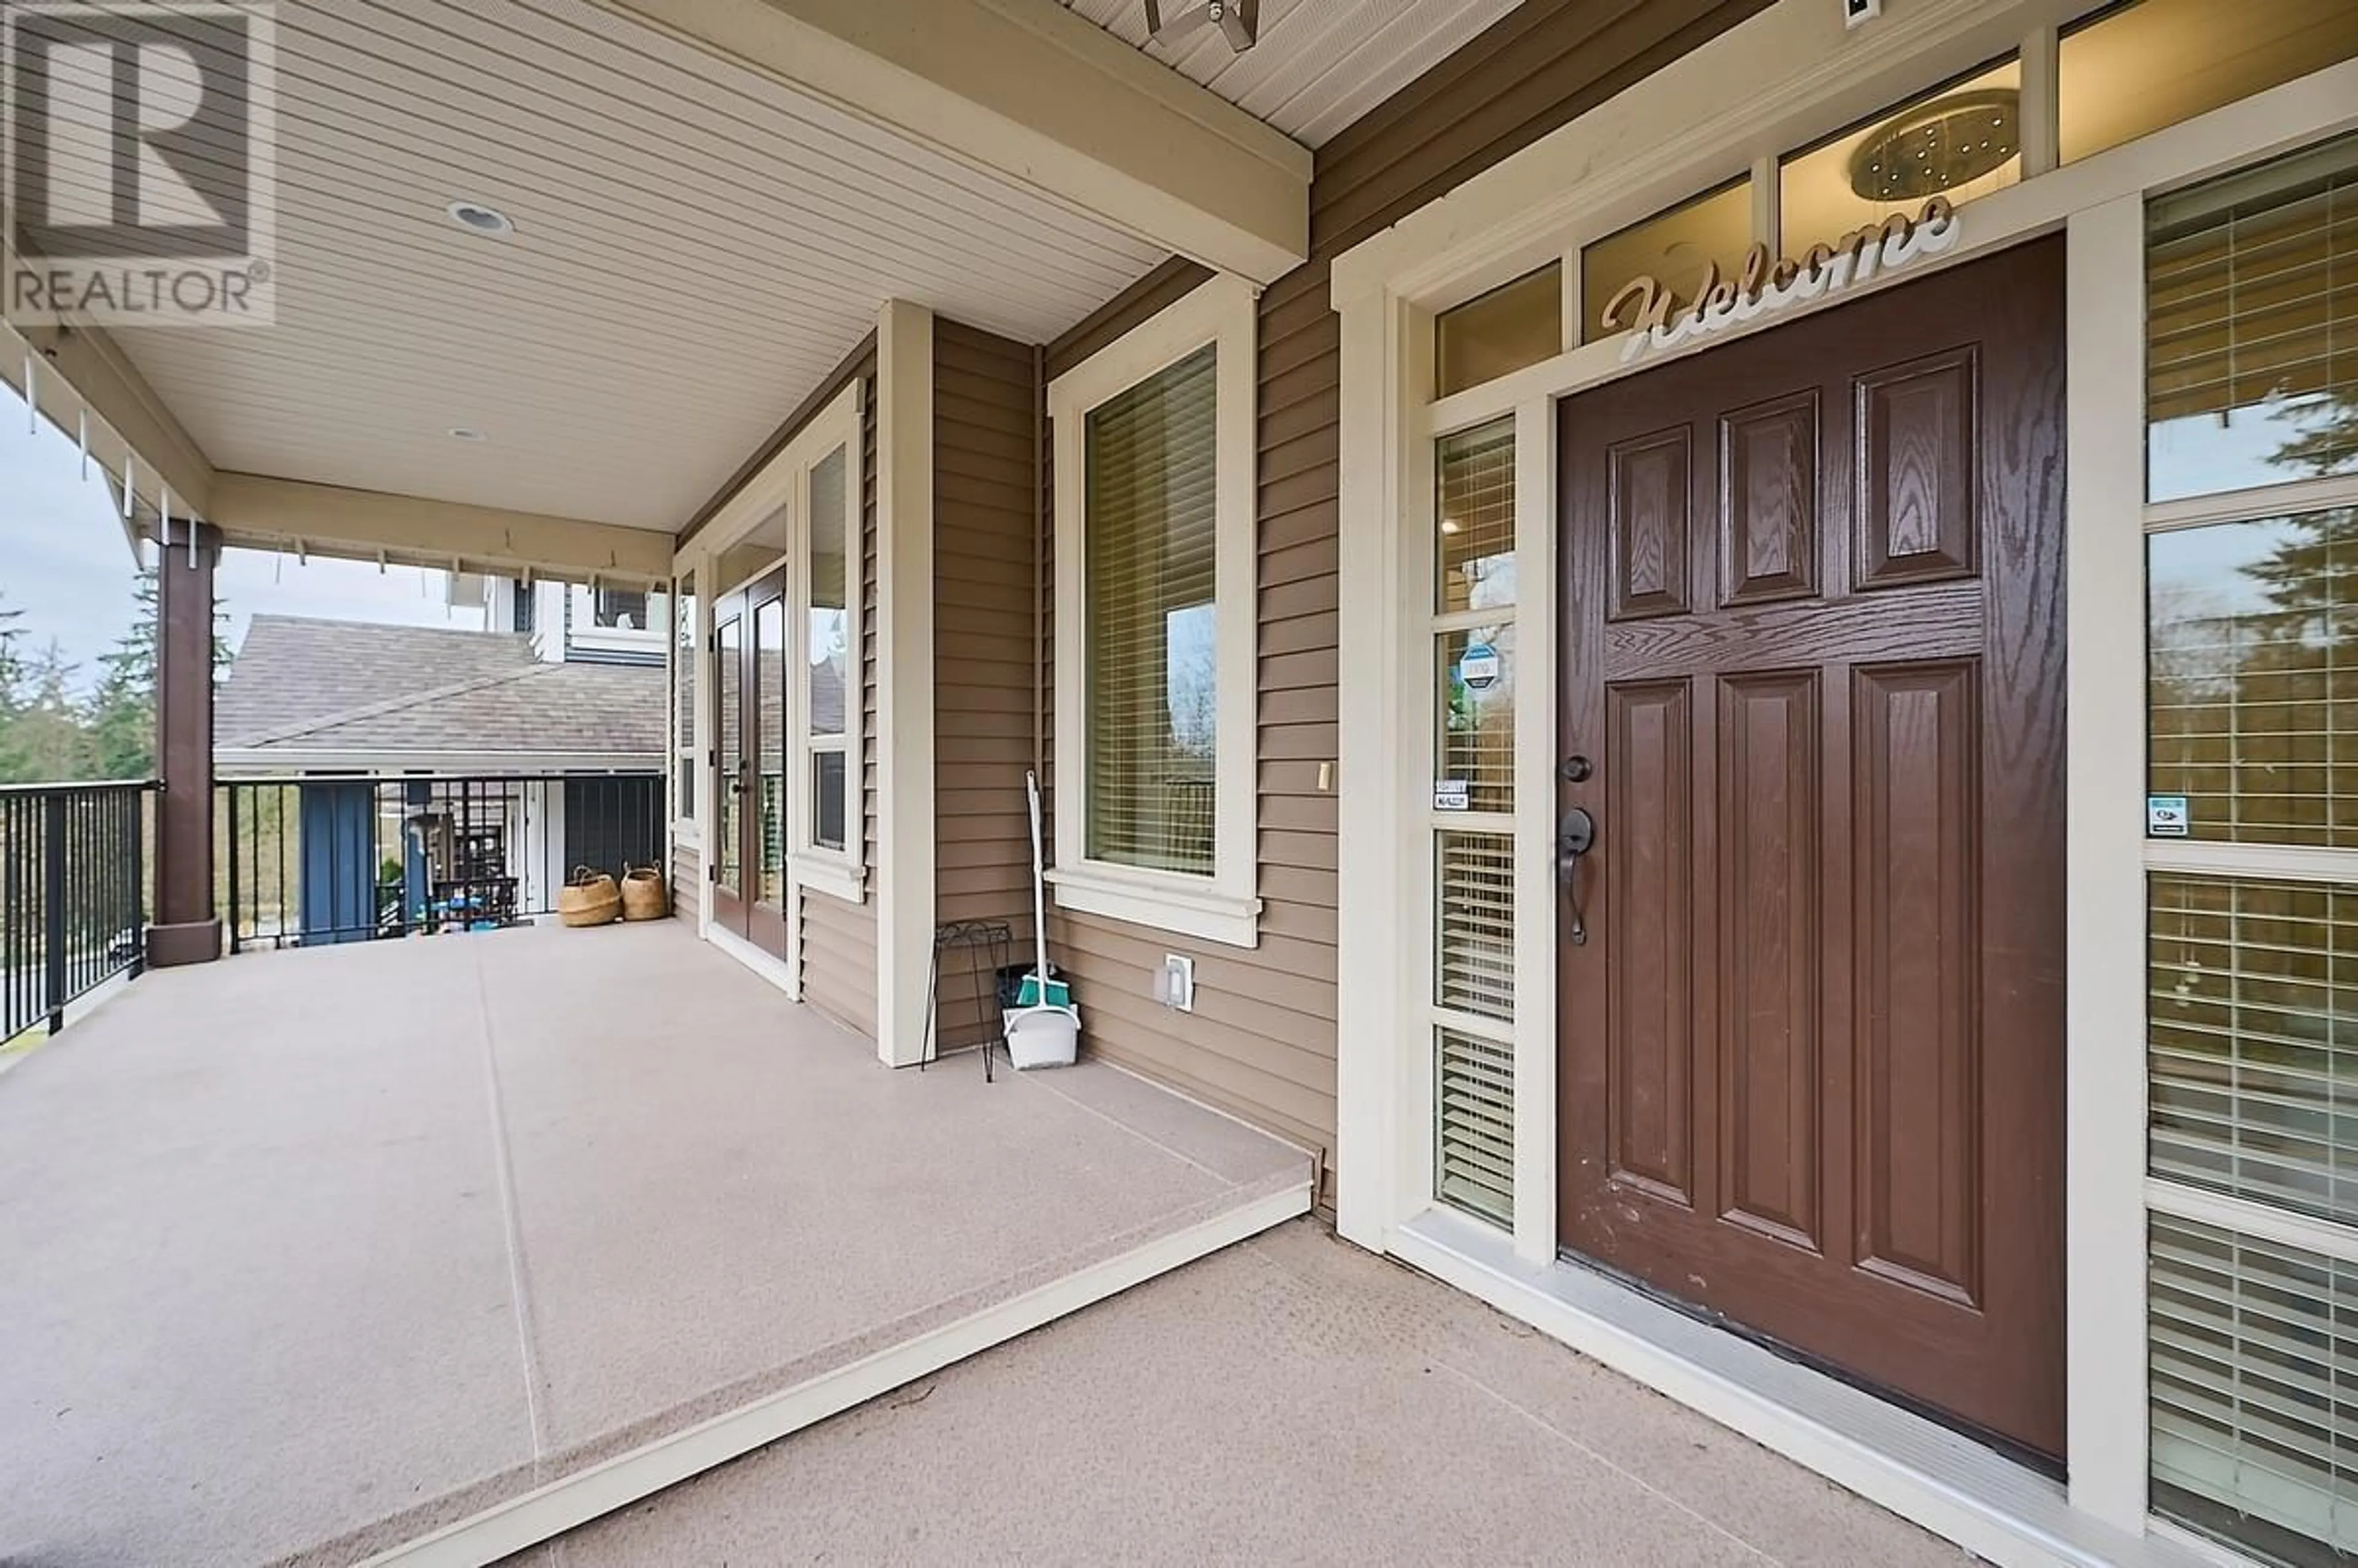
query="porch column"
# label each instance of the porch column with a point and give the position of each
(188, 925)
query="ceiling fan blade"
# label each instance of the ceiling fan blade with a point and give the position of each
(1241, 22)
(1182, 19)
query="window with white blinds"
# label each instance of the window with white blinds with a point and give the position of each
(2253, 661)
(2253, 1020)
(1474, 875)
(1474, 521)
(1473, 632)
(1149, 590)
(1476, 744)
(1157, 671)
(2254, 1391)
(1473, 1099)
(2251, 327)
(2252, 928)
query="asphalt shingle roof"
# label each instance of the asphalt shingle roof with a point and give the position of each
(303, 685)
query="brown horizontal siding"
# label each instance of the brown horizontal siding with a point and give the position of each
(839, 958)
(1261, 1039)
(1172, 281)
(860, 363)
(985, 677)
(1535, 69)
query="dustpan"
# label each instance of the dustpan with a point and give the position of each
(1043, 1030)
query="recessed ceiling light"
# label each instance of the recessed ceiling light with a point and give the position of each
(466, 433)
(478, 219)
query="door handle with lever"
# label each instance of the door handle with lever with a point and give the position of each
(1575, 835)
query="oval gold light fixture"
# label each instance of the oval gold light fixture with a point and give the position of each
(1927, 149)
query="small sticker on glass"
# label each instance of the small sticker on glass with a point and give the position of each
(2167, 816)
(1451, 794)
(1479, 667)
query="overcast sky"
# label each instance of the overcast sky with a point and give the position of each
(64, 560)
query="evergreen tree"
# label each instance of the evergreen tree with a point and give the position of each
(50, 733)
(2328, 443)
(44, 740)
(12, 673)
(123, 708)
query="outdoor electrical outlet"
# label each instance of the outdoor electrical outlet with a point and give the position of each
(1175, 987)
(1857, 12)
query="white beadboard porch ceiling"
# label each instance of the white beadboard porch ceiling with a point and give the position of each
(695, 244)
(1320, 64)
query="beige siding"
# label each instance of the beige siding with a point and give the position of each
(686, 883)
(986, 680)
(840, 937)
(1261, 1039)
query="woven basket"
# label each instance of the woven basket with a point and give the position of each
(642, 894)
(588, 898)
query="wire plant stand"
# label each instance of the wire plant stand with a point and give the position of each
(985, 946)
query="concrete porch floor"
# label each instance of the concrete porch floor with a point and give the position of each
(1289, 1400)
(311, 1253)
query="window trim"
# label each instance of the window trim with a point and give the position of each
(1224, 907)
(582, 630)
(842, 874)
(686, 813)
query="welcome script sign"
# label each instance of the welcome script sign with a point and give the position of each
(1657, 318)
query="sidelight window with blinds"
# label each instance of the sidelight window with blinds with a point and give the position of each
(2252, 880)
(1154, 616)
(1474, 603)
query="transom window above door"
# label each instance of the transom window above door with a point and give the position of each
(1154, 616)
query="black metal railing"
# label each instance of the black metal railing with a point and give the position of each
(306, 862)
(73, 895)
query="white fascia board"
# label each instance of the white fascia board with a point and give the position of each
(1030, 92)
(253, 509)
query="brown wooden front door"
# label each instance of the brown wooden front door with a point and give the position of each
(1812, 1045)
(749, 639)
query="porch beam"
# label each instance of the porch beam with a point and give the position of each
(77, 371)
(284, 514)
(1031, 92)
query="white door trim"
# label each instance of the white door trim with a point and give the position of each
(2104, 747)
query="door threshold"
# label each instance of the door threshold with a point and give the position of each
(1926, 1473)
(762, 961)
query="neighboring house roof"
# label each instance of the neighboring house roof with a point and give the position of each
(312, 694)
